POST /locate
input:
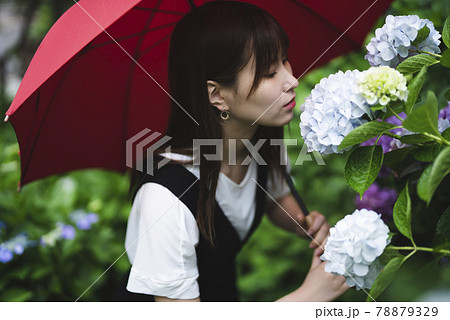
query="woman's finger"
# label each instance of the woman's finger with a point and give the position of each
(320, 236)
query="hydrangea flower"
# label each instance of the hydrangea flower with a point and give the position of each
(381, 85)
(379, 199)
(332, 110)
(83, 220)
(387, 143)
(444, 118)
(393, 41)
(62, 231)
(354, 245)
(6, 255)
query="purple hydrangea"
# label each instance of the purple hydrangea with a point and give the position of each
(445, 112)
(378, 199)
(387, 143)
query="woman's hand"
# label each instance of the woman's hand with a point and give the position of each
(320, 285)
(313, 225)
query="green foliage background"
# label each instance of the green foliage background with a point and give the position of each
(272, 264)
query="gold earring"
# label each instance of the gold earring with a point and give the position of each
(225, 115)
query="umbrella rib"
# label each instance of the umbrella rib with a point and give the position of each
(139, 65)
(141, 33)
(30, 150)
(160, 11)
(154, 45)
(338, 30)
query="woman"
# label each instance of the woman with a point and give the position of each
(228, 68)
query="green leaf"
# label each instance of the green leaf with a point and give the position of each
(427, 153)
(365, 132)
(443, 225)
(446, 33)
(16, 295)
(385, 278)
(415, 63)
(422, 184)
(388, 255)
(445, 59)
(439, 169)
(416, 138)
(414, 88)
(446, 134)
(424, 118)
(402, 213)
(447, 95)
(421, 36)
(362, 167)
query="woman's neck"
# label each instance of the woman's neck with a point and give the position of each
(234, 149)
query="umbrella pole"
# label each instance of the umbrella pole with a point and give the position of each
(295, 193)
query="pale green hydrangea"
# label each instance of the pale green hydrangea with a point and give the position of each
(381, 85)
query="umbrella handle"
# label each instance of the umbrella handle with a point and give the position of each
(295, 193)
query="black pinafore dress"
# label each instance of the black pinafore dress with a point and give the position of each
(216, 266)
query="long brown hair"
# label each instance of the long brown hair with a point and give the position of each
(215, 42)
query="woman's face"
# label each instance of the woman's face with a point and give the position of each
(272, 103)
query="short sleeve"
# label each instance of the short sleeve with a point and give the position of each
(160, 242)
(280, 188)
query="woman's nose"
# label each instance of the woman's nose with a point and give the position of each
(290, 82)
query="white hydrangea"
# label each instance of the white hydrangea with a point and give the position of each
(334, 108)
(354, 245)
(393, 41)
(382, 85)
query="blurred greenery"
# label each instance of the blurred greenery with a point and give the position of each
(64, 272)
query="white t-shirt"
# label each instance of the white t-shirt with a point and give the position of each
(162, 233)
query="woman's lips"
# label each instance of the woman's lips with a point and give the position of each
(290, 105)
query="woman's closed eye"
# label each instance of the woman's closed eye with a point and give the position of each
(272, 74)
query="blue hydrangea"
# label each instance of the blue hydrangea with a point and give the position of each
(334, 108)
(6, 255)
(67, 232)
(393, 41)
(83, 220)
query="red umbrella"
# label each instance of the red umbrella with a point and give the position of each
(99, 76)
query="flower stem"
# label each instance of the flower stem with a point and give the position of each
(419, 249)
(392, 135)
(426, 52)
(438, 139)
(395, 114)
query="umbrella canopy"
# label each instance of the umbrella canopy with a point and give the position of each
(99, 76)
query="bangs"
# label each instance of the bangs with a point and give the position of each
(268, 43)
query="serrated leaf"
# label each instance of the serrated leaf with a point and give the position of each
(445, 58)
(362, 167)
(416, 138)
(388, 255)
(422, 184)
(446, 33)
(414, 88)
(446, 134)
(427, 153)
(415, 63)
(422, 34)
(402, 213)
(365, 132)
(385, 278)
(440, 168)
(443, 225)
(424, 118)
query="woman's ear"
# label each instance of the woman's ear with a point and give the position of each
(214, 95)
